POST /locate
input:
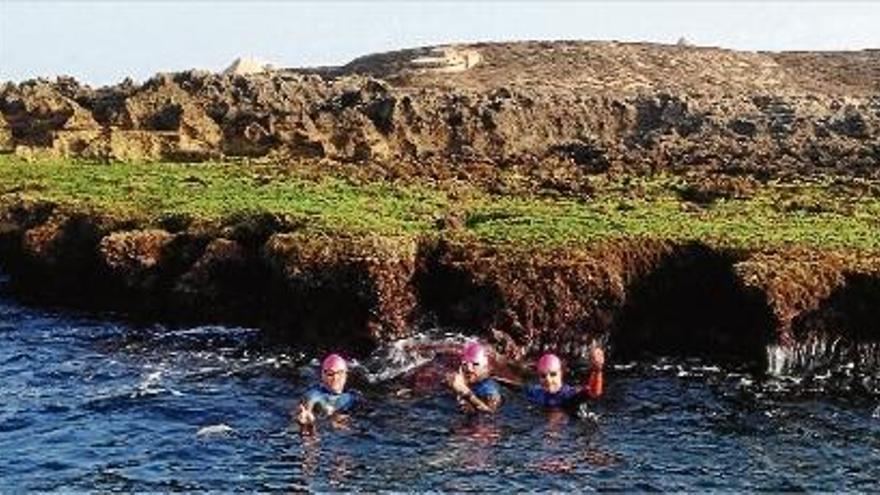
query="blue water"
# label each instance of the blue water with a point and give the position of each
(88, 402)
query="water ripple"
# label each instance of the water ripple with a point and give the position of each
(93, 404)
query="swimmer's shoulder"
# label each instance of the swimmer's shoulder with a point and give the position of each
(314, 394)
(534, 392)
(487, 388)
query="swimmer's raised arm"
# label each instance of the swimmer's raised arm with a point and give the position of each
(459, 385)
(510, 382)
(595, 385)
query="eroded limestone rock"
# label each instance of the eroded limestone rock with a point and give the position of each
(595, 105)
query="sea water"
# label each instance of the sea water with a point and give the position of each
(90, 402)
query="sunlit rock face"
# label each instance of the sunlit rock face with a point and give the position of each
(598, 105)
(556, 111)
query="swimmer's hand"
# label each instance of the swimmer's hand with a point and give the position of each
(304, 416)
(457, 383)
(597, 358)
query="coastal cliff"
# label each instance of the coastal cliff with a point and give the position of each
(602, 105)
(664, 199)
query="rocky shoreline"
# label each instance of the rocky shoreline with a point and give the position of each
(598, 105)
(550, 114)
(639, 296)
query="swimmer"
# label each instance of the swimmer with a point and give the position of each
(474, 389)
(330, 396)
(553, 393)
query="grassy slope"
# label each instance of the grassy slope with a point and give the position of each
(821, 213)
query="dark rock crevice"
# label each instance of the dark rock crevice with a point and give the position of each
(57, 260)
(850, 312)
(450, 293)
(692, 304)
(308, 289)
(351, 293)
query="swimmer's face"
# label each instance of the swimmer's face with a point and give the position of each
(334, 379)
(551, 379)
(474, 371)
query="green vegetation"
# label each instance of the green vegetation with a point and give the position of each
(819, 212)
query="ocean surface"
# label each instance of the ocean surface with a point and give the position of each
(90, 402)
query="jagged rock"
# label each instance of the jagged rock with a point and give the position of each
(795, 284)
(58, 256)
(76, 143)
(219, 255)
(600, 105)
(133, 252)
(850, 122)
(217, 283)
(7, 144)
(635, 295)
(538, 300)
(356, 290)
(36, 109)
(132, 146)
(39, 242)
(163, 106)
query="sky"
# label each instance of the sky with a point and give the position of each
(102, 42)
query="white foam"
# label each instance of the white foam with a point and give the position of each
(402, 356)
(218, 430)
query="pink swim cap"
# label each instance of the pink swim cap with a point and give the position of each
(474, 353)
(334, 362)
(549, 362)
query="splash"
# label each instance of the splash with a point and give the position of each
(398, 358)
(820, 353)
(801, 357)
(825, 363)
